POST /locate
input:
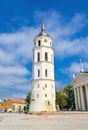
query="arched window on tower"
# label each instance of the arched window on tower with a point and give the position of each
(45, 95)
(49, 103)
(46, 73)
(37, 95)
(38, 85)
(38, 73)
(45, 85)
(39, 43)
(38, 56)
(46, 56)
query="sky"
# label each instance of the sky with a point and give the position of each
(66, 21)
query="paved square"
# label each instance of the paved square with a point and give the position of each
(61, 121)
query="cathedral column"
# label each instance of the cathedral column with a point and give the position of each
(82, 98)
(79, 103)
(86, 88)
(76, 98)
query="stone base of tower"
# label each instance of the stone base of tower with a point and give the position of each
(44, 107)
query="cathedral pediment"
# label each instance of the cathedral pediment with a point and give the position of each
(80, 76)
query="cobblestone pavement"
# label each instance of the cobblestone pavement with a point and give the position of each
(61, 121)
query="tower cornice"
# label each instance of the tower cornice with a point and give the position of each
(42, 79)
(39, 47)
(36, 63)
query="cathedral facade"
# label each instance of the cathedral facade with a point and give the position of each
(80, 84)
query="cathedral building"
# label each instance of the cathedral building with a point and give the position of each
(43, 83)
(80, 83)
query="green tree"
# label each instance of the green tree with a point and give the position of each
(28, 98)
(61, 100)
(69, 90)
(65, 97)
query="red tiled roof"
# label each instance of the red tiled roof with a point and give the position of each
(17, 101)
(4, 107)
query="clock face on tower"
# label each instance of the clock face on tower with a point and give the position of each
(45, 40)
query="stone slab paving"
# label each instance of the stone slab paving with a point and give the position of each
(61, 121)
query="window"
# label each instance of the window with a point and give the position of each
(45, 85)
(46, 73)
(38, 73)
(38, 85)
(38, 58)
(45, 95)
(37, 95)
(32, 99)
(46, 56)
(49, 103)
(39, 43)
(19, 108)
(13, 107)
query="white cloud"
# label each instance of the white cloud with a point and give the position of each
(6, 58)
(75, 68)
(75, 25)
(59, 85)
(9, 81)
(18, 96)
(13, 70)
(71, 48)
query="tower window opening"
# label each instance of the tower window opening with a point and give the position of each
(49, 103)
(45, 95)
(46, 73)
(38, 58)
(39, 43)
(37, 95)
(38, 73)
(45, 85)
(38, 85)
(50, 44)
(46, 56)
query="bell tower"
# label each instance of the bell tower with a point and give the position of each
(43, 84)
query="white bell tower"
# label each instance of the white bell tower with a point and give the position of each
(43, 84)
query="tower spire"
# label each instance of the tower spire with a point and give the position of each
(43, 27)
(43, 32)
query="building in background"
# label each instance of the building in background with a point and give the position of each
(4, 108)
(43, 83)
(15, 105)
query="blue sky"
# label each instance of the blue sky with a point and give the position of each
(20, 20)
